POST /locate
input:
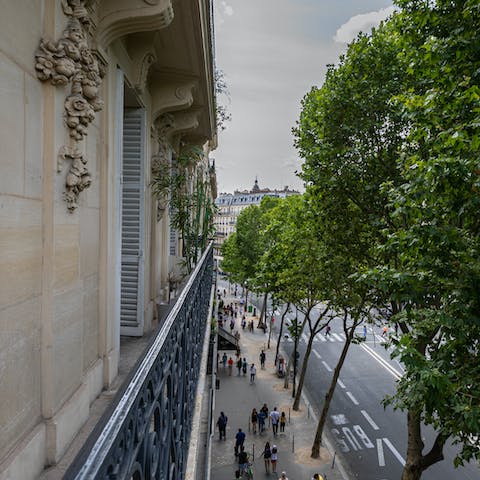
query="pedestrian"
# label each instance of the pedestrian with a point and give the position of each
(254, 420)
(267, 455)
(242, 460)
(230, 366)
(232, 324)
(327, 330)
(253, 372)
(222, 425)
(274, 418)
(244, 366)
(239, 440)
(262, 359)
(365, 332)
(224, 360)
(261, 421)
(283, 421)
(274, 458)
(239, 365)
(264, 409)
(384, 331)
(244, 323)
(283, 476)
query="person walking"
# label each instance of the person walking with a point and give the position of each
(274, 418)
(239, 440)
(261, 421)
(224, 360)
(253, 372)
(384, 331)
(283, 476)
(283, 421)
(267, 455)
(274, 458)
(230, 366)
(254, 420)
(242, 460)
(239, 366)
(244, 366)
(222, 425)
(327, 330)
(262, 360)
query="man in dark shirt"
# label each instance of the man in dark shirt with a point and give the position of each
(239, 440)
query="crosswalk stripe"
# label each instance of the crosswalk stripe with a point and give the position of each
(338, 337)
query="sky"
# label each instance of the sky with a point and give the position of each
(271, 53)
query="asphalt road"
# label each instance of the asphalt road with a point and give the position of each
(370, 439)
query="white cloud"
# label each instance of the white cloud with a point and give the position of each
(227, 9)
(361, 23)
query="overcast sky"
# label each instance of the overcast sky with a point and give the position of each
(272, 52)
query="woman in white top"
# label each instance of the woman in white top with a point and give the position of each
(274, 458)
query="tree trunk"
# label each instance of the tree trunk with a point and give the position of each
(329, 395)
(264, 308)
(416, 463)
(281, 332)
(301, 380)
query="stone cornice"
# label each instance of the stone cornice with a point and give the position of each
(118, 18)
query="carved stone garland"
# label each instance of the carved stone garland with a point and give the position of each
(71, 60)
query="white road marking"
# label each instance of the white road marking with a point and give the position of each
(327, 366)
(369, 420)
(322, 338)
(382, 362)
(331, 338)
(339, 419)
(352, 398)
(338, 337)
(341, 383)
(388, 443)
(381, 456)
(317, 354)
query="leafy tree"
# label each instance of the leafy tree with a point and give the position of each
(436, 244)
(350, 135)
(191, 208)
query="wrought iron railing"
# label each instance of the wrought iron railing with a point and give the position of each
(147, 434)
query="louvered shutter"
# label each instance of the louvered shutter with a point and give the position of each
(132, 271)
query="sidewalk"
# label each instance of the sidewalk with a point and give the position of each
(237, 397)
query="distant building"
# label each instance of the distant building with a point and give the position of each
(230, 205)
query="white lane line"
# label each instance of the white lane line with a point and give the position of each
(382, 362)
(369, 420)
(317, 354)
(352, 398)
(338, 337)
(322, 338)
(388, 443)
(381, 456)
(327, 366)
(341, 383)
(331, 338)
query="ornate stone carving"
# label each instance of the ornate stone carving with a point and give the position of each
(71, 60)
(78, 177)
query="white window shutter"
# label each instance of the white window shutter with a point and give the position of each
(133, 208)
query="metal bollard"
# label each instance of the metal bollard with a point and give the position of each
(289, 415)
(333, 461)
(248, 421)
(253, 453)
(308, 411)
(293, 443)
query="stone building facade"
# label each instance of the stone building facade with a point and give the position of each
(94, 94)
(230, 205)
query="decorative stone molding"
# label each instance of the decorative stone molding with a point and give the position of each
(118, 18)
(72, 61)
(78, 177)
(143, 57)
(170, 98)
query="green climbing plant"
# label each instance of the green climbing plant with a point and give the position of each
(190, 206)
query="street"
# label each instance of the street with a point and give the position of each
(370, 439)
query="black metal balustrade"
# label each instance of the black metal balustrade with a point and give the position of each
(147, 434)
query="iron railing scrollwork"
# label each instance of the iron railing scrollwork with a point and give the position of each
(147, 435)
